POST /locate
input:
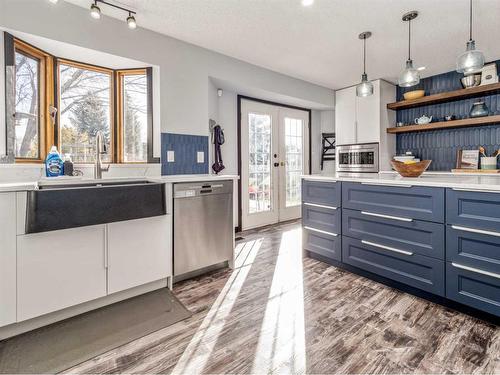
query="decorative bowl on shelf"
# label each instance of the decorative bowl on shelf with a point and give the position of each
(411, 170)
(415, 94)
(472, 80)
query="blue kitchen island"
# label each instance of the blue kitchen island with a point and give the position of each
(437, 236)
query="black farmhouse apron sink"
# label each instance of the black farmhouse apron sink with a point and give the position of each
(63, 206)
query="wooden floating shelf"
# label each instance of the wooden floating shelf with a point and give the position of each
(446, 124)
(447, 96)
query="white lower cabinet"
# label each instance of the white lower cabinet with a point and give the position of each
(139, 252)
(7, 258)
(60, 269)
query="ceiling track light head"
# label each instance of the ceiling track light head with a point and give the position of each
(410, 16)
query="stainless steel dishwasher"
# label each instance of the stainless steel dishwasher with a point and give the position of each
(203, 227)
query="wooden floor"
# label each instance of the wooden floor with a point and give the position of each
(278, 313)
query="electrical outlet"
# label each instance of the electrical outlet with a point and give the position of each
(200, 156)
(170, 156)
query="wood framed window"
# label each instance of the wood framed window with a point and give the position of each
(63, 102)
(86, 105)
(133, 116)
(34, 95)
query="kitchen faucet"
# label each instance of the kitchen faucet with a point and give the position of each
(100, 149)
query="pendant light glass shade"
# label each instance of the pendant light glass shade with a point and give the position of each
(410, 76)
(365, 88)
(471, 60)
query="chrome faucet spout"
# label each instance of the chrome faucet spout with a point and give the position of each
(100, 149)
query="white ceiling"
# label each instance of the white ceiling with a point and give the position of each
(320, 43)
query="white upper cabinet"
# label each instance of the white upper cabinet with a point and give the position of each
(345, 116)
(368, 116)
(7, 258)
(362, 120)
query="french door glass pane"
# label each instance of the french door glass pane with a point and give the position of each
(259, 163)
(294, 160)
(85, 96)
(135, 118)
(27, 142)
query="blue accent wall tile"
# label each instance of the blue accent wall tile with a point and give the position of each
(442, 145)
(185, 147)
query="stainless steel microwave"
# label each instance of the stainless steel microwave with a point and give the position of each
(358, 158)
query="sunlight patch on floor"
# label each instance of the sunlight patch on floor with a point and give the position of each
(199, 349)
(281, 347)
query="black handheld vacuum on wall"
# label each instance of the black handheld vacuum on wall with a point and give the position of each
(218, 140)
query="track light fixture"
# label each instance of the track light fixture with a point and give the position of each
(95, 12)
(132, 24)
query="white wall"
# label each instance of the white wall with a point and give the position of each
(185, 68)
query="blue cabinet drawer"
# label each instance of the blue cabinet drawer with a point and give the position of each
(475, 248)
(473, 209)
(413, 202)
(322, 217)
(320, 192)
(321, 243)
(415, 236)
(415, 270)
(473, 287)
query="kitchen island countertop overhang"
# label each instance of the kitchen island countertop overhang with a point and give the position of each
(475, 182)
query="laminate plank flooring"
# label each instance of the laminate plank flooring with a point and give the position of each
(279, 313)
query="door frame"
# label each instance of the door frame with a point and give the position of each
(238, 115)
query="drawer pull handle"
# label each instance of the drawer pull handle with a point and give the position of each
(386, 248)
(477, 190)
(479, 231)
(475, 270)
(382, 184)
(321, 231)
(320, 206)
(405, 219)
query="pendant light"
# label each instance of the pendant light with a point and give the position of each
(410, 76)
(471, 60)
(365, 88)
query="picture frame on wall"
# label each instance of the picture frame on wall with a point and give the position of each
(468, 159)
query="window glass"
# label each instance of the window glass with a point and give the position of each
(135, 118)
(85, 109)
(27, 104)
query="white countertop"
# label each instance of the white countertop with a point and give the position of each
(474, 182)
(32, 185)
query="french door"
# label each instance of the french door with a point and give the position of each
(274, 154)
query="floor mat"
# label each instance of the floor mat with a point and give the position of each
(64, 344)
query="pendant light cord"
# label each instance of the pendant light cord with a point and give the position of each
(364, 54)
(409, 39)
(470, 22)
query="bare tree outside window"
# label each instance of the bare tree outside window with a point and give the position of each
(27, 100)
(135, 119)
(85, 110)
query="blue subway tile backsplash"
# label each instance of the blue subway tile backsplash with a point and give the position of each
(186, 148)
(442, 145)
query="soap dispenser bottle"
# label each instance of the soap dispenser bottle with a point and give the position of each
(54, 165)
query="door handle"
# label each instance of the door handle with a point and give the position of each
(276, 164)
